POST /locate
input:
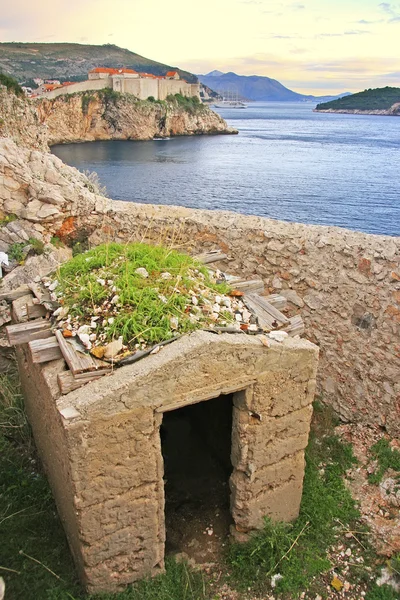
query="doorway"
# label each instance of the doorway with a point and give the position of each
(196, 447)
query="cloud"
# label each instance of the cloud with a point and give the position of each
(350, 32)
(392, 10)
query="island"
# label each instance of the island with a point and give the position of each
(379, 101)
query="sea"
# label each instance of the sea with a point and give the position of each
(287, 163)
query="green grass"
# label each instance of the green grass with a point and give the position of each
(15, 251)
(145, 305)
(386, 458)
(299, 551)
(384, 592)
(4, 220)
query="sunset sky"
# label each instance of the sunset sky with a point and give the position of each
(311, 46)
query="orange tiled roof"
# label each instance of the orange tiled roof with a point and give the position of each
(111, 71)
(49, 87)
(171, 73)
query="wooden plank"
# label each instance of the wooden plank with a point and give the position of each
(253, 285)
(68, 383)
(44, 350)
(274, 312)
(265, 320)
(19, 310)
(36, 310)
(42, 294)
(280, 302)
(12, 295)
(77, 361)
(295, 327)
(22, 333)
(210, 257)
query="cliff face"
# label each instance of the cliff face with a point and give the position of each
(98, 116)
(20, 122)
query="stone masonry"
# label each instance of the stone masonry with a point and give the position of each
(101, 444)
(346, 284)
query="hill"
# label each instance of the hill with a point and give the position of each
(378, 99)
(26, 61)
(254, 87)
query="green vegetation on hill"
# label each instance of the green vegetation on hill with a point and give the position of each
(372, 99)
(71, 62)
(11, 84)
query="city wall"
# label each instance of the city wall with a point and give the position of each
(80, 86)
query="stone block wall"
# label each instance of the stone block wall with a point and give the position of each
(101, 444)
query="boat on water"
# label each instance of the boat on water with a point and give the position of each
(230, 104)
(230, 99)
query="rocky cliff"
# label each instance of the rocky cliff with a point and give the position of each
(110, 116)
(19, 121)
(87, 117)
(393, 111)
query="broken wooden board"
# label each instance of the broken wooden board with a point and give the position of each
(210, 257)
(12, 295)
(36, 310)
(280, 302)
(253, 285)
(271, 310)
(78, 362)
(19, 310)
(22, 333)
(44, 350)
(295, 327)
(265, 320)
(68, 382)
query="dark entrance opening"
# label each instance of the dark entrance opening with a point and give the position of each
(196, 447)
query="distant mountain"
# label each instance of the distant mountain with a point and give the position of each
(26, 61)
(378, 99)
(254, 87)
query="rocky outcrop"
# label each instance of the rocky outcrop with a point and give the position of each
(103, 116)
(19, 121)
(393, 111)
(94, 116)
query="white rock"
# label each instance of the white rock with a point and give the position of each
(84, 337)
(111, 320)
(195, 300)
(84, 330)
(142, 272)
(218, 299)
(166, 275)
(216, 308)
(115, 299)
(238, 317)
(101, 281)
(113, 348)
(278, 336)
(174, 322)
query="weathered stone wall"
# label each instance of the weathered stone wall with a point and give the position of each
(102, 450)
(81, 86)
(346, 284)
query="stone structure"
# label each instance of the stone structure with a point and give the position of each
(141, 85)
(101, 444)
(346, 283)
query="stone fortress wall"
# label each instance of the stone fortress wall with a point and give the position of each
(141, 87)
(346, 284)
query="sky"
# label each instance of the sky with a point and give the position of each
(311, 46)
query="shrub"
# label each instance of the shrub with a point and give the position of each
(11, 84)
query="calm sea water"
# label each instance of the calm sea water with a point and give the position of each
(286, 163)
